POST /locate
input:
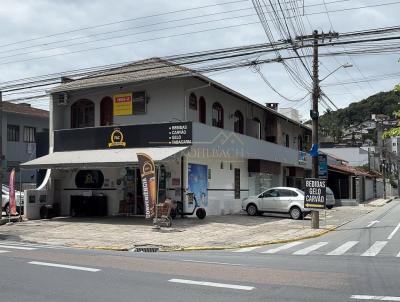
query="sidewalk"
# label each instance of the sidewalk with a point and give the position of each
(215, 232)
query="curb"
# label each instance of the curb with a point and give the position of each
(382, 204)
(103, 248)
(218, 248)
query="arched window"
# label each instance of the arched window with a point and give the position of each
(193, 101)
(82, 114)
(258, 127)
(106, 111)
(217, 115)
(238, 124)
(300, 142)
(202, 110)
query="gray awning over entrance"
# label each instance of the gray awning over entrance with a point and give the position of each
(98, 158)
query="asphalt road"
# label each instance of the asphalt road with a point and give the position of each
(358, 262)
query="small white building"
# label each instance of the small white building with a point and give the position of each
(204, 137)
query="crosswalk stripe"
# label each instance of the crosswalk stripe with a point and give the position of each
(311, 248)
(283, 247)
(374, 249)
(2, 251)
(17, 247)
(246, 249)
(343, 248)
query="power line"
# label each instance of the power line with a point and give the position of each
(183, 34)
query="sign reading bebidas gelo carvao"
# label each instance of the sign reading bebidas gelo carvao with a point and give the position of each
(315, 193)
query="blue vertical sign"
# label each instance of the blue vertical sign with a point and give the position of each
(198, 183)
(322, 166)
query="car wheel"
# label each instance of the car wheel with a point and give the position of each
(329, 207)
(295, 213)
(252, 210)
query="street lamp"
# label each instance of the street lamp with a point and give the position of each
(346, 65)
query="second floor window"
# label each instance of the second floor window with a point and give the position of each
(217, 115)
(287, 143)
(202, 110)
(29, 134)
(238, 124)
(82, 114)
(106, 111)
(12, 133)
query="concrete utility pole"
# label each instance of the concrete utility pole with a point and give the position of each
(315, 116)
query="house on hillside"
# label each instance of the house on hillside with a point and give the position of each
(205, 138)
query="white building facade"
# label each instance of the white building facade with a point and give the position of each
(204, 137)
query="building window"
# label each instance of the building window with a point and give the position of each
(139, 102)
(29, 134)
(12, 133)
(300, 142)
(258, 127)
(287, 144)
(217, 115)
(238, 124)
(192, 101)
(202, 110)
(106, 111)
(82, 114)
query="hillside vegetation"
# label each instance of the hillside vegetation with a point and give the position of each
(333, 123)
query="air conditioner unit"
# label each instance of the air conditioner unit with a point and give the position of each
(63, 99)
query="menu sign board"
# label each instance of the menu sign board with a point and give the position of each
(315, 193)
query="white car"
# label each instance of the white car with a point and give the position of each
(330, 198)
(5, 199)
(277, 200)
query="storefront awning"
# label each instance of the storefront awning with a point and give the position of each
(98, 158)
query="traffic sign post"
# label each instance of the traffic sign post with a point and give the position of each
(315, 194)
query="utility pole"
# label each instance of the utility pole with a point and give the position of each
(315, 116)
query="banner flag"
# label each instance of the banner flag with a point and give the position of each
(11, 186)
(148, 175)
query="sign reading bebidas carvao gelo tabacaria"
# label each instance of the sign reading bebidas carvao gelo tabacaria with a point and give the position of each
(129, 136)
(315, 193)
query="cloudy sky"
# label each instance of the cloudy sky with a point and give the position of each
(83, 33)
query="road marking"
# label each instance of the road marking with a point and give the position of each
(246, 249)
(2, 252)
(283, 247)
(398, 255)
(212, 284)
(394, 232)
(343, 248)
(212, 262)
(372, 223)
(79, 268)
(311, 248)
(375, 249)
(17, 247)
(379, 298)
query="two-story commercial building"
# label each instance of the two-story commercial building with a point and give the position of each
(205, 138)
(22, 128)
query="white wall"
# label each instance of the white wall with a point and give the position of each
(221, 198)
